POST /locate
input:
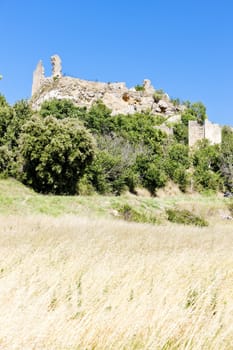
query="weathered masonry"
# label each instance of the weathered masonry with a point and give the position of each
(208, 130)
(115, 95)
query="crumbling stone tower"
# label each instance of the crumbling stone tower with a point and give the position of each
(208, 130)
(56, 66)
(38, 77)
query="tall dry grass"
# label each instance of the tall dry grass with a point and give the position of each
(75, 283)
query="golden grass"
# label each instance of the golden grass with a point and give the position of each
(79, 283)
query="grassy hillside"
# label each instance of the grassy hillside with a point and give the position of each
(15, 198)
(74, 277)
(78, 283)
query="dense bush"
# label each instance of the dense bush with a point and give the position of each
(226, 158)
(53, 151)
(139, 88)
(61, 109)
(152, 173)
(158, 95)
(22, 112)
(6, 115)
(128, 213)
(180, 132)
(112, 170)
(206, 162)
(98, 119)
(184, 216)
(5, 161)
(194, 111)
(55, 154)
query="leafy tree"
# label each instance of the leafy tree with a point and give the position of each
(61, 108)
(180, 132)
(6, 115)
(155, 176)
(112, 170)
(152, 171)
(55, 154)
(140, 128)
(22, 113)
(176, 163)
(226, 158)
(5, 161)
(206, 161)
(194, 111)
(98, 119)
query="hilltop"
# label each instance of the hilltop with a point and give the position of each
(116, 96)
(81, 137)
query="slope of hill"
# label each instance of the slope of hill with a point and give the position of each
(76, 282)
(16, 198)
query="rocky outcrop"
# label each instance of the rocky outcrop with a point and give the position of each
(115, 96)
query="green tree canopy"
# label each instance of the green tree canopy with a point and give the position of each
(55, 154)
(61, 109)
(226, 158)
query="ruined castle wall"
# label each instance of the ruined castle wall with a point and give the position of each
(83, 93)
(38, 77)
(213, 132)
(195, 132)
(209, 131)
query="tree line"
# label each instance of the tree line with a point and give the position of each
(65, 149)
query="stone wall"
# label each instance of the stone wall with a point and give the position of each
(195, 132)
(116, 96)
(209, 131)
(38, 78)
(213, 132)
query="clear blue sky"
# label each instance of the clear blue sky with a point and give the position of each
(183, 46)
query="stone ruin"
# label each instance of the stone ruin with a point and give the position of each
(117, 97)
(38, 77)
(207, 130)
(56, 66)
(83, 93)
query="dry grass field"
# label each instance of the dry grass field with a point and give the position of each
(72, 282)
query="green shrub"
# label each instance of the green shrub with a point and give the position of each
(129, 213)
(207, 180)
(180, 132)
(98, 119)
(55, 154)
(22, 113)
(113, 169)
(139, 88)
(5, 161)
(194, 111)
(226, 157)
(84, 187)
(61, 109)
(206, 162)
(184, 216)
(158, 95)
(175, 101)
(155, 176)
(6, 115)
